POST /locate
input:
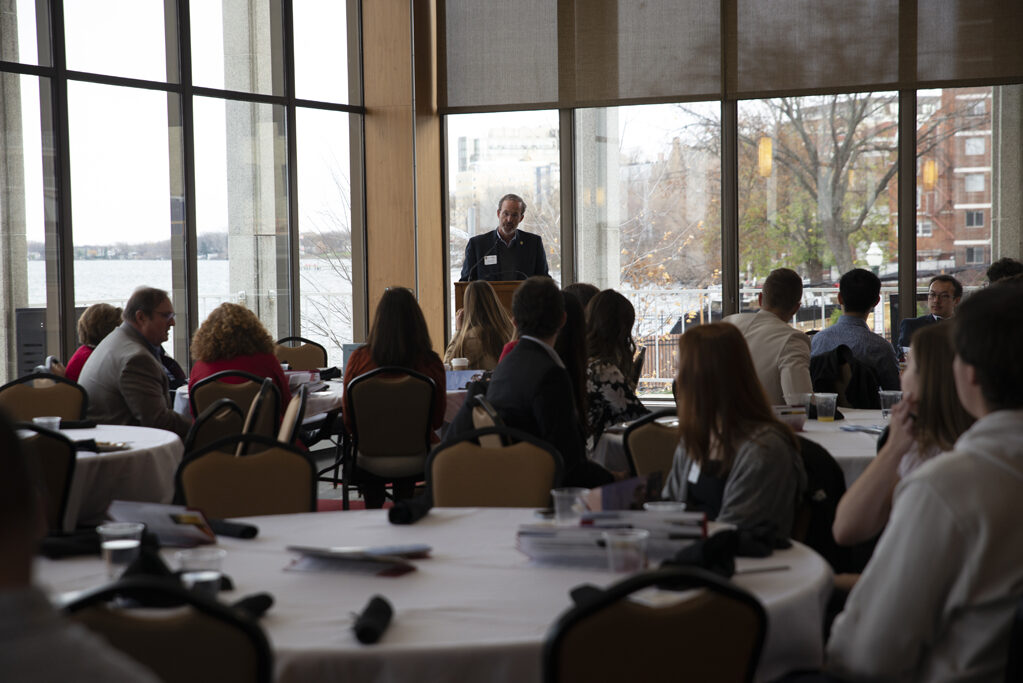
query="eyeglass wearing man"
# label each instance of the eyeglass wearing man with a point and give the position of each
(943, 295)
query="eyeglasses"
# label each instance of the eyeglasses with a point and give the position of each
(943, 296)
(166, 316)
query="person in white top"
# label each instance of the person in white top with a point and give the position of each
(937, 599)
(781, 353)
(37, 644)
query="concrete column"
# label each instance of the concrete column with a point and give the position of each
(1007, 172)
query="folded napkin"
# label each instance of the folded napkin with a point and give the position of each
(374, 620)
(760, 540)
(330, 373)
(222, 527)
(254, 606)
(715, 554)
(82, 542)
(411, 510)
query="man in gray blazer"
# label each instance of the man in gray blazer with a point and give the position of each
(125, 380)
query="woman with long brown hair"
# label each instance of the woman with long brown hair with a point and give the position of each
(610, 394)
(735, 460)
(398, 337)
(482, 328)
(927, 421)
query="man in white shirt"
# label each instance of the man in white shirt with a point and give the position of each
(937, 599)
(781, 353)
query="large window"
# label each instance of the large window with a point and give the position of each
(648, 219)
(235, 155)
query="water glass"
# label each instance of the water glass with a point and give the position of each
(120, 542)
(826, 406)
(200, 570)
(47, 421)
(888, 401)
(626, 549)
(568, 505)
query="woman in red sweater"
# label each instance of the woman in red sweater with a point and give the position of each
(233, 338)
(96, 323)
(398, 337)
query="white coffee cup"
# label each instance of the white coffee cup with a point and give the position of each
(459, 363)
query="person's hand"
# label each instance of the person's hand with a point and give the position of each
(57, 368)
(458, 319)
(902, 426)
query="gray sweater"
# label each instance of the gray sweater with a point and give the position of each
(764, 484)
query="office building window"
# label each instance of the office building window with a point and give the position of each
(973, 182)
(973, 146)
(924, 229)
(974, 255)
(975, 219)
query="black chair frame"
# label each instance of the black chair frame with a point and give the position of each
(66, 493)
(25, 379)
(211, 410)
(217, 376)
(636, 424)
(669, 578)
(157, 591)
(349, 468)
(246, 440)
(509, 436)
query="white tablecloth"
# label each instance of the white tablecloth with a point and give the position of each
(477, 610)
(144, 472)
(853, 450)
(317, 402)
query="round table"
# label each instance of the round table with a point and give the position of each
(144, 472)
(476, 610)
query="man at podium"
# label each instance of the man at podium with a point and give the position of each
(506, 253)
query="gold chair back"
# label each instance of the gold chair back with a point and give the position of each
(221, 419)
(467, 475)
(29, 397)
(651, 447)
(308, 355)
(55, 456)
(392, 418)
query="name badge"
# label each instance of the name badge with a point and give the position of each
(490, 260)
(694, 473)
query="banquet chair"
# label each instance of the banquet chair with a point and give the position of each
(261, 417)
(391, 409)
(1014, 667)
(714, 635)
(293, 414)
(196, 641)
(221, 418)
(308, 355)
(485, 415)
(650, 445)
(241, 390)
(43, 394)
(271, 478)
(467, 474)
(55, 456)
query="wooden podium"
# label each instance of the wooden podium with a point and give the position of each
(504, 289)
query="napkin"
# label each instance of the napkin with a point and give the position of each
(83, 542)
(411, 510)
(373, 620)
(760, 540)
(330, 373)
(715, 554)
(222, 527)
(254, 606)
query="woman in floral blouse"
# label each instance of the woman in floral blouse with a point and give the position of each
(610, 393)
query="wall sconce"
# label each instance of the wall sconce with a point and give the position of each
(765, 156)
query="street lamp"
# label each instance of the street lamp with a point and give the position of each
(875, 257)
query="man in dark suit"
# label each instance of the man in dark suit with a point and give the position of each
(507, 253)
(125, 376)
(943, 295)
(530, 388)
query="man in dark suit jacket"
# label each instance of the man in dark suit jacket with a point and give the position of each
(507, 253)
(943, 295)
(530, 388)
(124, 376)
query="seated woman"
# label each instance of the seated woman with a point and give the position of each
(926, 422)
(735, 460)
(482, 327)
(96, 323)
(610, 395)
(233, 338)
(571, 348)
(397, 337)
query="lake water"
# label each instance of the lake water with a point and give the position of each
(323, 291)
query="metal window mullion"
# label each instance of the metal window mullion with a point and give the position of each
(191, 266)
(907, 207)
(569, 270)
(291, 142)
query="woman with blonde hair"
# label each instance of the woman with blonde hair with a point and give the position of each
(735, 460)
(482, 327)
(927, 421)
(96, 323)
(233, 338)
